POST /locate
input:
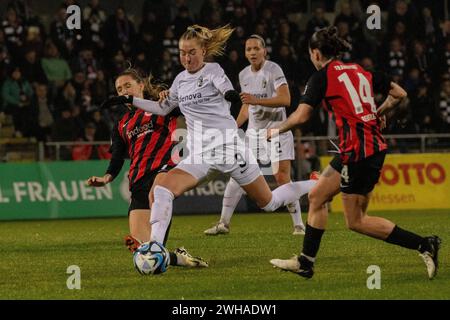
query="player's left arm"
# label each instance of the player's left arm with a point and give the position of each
(222, 83)
(396, 94)
(281, 99)
(315, 91)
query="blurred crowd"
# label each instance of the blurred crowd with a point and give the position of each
(53, 79)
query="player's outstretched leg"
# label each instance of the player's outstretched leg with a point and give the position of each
(428, 247)
(357, 220)
(295, 209)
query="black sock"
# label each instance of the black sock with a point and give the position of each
(173, 259)
(311, 243)
(405, 239)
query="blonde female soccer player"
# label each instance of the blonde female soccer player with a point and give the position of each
(203, 93)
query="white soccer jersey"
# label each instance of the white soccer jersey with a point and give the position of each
(263, 84)
(200, 98)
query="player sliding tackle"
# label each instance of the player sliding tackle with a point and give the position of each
(203, 93)
(346, 90)
(150, 155)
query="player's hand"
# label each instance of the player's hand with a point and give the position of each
(248, 98)
(383, 122)
(117, 100)
(272, 133)
(163, 95)
(99, 181)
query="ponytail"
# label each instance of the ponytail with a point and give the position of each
(328, 43)
(213, 41)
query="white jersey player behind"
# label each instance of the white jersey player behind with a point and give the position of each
(203, 93)
(265, 94)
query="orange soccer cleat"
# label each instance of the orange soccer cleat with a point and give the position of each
(132, 243)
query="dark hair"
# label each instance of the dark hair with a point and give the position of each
(152, 88)
(328, 43)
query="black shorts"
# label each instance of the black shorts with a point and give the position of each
(361, 177)
(141, 189)
(336, 163)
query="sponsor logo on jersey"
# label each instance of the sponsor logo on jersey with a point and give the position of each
(193, 96)
(140, 130)
(368, 117)
(260, 95)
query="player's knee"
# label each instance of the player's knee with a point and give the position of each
(316, 199)
(355, 225)
(268, 207)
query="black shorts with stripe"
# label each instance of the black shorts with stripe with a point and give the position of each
(359, 177)
(141, 188)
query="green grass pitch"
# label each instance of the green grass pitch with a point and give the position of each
(34, 257)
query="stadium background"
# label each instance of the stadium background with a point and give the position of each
(53, 136)
(53, 80)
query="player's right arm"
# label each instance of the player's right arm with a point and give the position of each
(118, 150)
(243, 112)
(161, 108)
(315, 91)
(299, 116)
(243, 115)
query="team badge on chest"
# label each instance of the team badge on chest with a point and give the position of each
(264, 83)
(200, 81)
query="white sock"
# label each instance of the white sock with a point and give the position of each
(232, 195)
(296, 213)
(307, 185)
(283, 195)
(288, 193)
(161, 213)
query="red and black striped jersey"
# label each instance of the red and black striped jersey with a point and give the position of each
(146, 139)
(346, 91)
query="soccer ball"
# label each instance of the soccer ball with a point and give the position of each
(151, 258)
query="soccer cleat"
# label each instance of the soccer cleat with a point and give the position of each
(430, 255)
(219, 228)
(131, 243)
(186, 260)
(299, 230)
(293, 265)
(315, 175)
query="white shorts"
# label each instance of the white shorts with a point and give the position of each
(234, 160)
(273, 151)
